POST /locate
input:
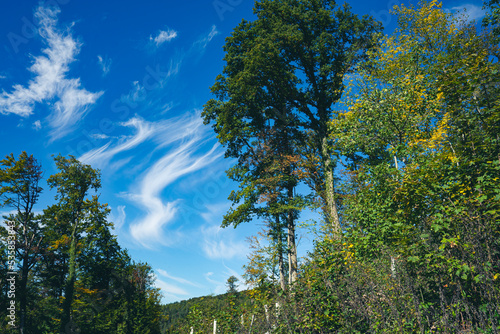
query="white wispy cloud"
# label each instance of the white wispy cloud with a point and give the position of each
(70, 109)
(99, 136)
(215, 212)
(203, 42)
(162, 132)
(169, 168)
(118, 216)
(167, 107)
(149, 231)
(163, 36)
(100, 156)
(105, 64)
(472, 12)
(221, 243)
(151, 93)
(220, 283)
(178, 128)
(169, 290)
(185, 158)
(177, 279)
(50, 80)
(37, 125)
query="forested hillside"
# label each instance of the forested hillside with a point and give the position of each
(202, 311)
(395, 141)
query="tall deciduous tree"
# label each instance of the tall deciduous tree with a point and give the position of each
(288, 67)
(267, 179)
(75, 212)
(20, 189)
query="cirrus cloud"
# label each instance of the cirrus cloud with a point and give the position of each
(50, 80)
(163, 36)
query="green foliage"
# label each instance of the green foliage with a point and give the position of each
(200, 313)
(283, 74)
(263, 261)
(232, 284)
(492, 17)
(416, 243)
(68, 258)
(20, 190)
(420, 195)
(421, 200)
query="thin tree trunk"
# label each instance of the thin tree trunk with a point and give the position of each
(279, 249)
(393, 259)
(292, 247)
(331, 205)
(282, 271)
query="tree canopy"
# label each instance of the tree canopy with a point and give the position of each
(74, 276)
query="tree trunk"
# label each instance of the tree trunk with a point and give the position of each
(292, 247)
(69, 285)
(279, 249)
(331, 206)
(282, 271)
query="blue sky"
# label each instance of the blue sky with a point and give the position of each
(120, 85)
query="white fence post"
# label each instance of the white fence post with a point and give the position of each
(192, 330)
(215, 326)
(251, 323)
(267, 316)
